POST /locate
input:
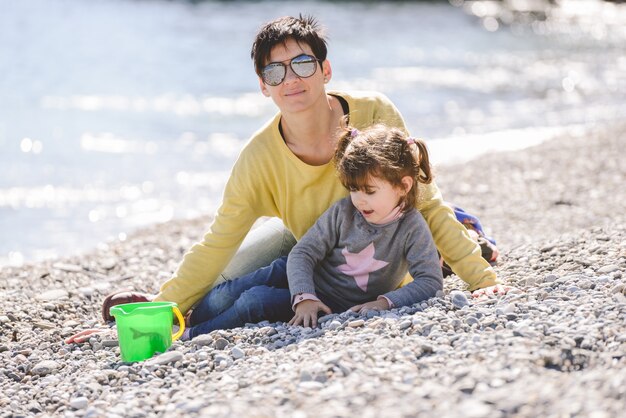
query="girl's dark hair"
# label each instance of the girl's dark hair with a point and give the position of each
(302, 29)
(382, 152)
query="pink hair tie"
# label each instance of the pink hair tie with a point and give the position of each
(410, 140)
(354, 132)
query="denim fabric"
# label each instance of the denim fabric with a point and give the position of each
(258, 296)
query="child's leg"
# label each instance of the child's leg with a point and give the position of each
(256, 304)
(224, 295)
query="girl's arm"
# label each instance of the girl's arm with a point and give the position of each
(312, 248)
(424, 267)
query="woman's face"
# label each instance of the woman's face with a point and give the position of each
(296, 94)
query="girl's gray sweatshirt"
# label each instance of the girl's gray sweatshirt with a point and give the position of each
(347, 261)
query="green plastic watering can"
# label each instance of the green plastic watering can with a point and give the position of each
(145, 328)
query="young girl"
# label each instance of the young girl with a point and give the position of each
(357, 253)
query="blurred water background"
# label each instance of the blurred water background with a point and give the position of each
(116, 114)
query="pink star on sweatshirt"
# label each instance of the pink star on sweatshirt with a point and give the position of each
(360, 265)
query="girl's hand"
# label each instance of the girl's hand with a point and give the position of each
(306, 313)
(377, 305)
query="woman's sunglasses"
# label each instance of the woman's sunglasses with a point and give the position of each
(303, 66)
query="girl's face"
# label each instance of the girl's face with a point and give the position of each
(379, 198)
(296, 94)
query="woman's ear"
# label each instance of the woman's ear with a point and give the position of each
(407, 183)
(327, 71)
(263, 87)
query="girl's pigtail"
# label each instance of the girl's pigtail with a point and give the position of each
(425, 174)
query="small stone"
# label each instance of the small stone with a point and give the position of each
(4, 319)
(608, 269)
(311, 385)
(372, 313)
(550, 278)
(165, 358)
(54, 294)
(221, 343)
(203, 340)
(334, 325)
(79, 403)
(45, 367)
(268, 331)
(72, 268)
(471, 321)
(237, 352)
(43, 325)
(356, 323)
(110, 343)
(223, 358)
(326, 318)
(619, 298)
(405, 324)
(459, 299)
(86, 291)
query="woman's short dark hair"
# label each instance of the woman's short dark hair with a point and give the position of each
(302, 29)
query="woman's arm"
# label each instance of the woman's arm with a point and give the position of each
(244, 201)
(457, 248)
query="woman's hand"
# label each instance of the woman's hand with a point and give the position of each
(378, 305)
(496, 290)
(306, 313)
(84, 335)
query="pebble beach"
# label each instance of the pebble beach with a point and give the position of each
(555, 346)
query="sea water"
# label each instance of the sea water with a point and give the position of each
(116, 114)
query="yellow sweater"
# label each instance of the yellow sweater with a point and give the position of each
(269, 180)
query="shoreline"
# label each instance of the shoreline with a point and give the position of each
(447, 151)
(554, 347)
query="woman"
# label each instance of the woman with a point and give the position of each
(286, 171)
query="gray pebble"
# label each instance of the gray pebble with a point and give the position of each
(110, 343)
(405, 324)
(459, 299)
(54, 294)
(79, 403)
(237, 352)
(333, 325)
(45, 367)
(166, 358)
(550, 278)
(203, 340)
(221, 343)
(472, 321)
(607, 269)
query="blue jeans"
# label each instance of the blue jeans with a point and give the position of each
(258, 296)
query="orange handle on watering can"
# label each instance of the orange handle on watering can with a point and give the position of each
(181, 323)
